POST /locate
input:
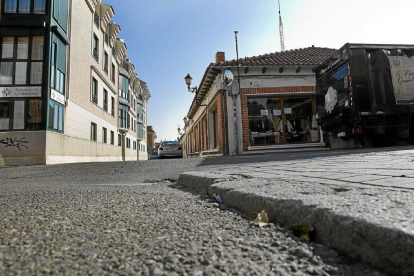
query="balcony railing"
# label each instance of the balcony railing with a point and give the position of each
(96, 19)
(106, 69)
(125, 65)
(95, 54)
(95, 99)
(113, 112)
(113, 79)
(105, 106)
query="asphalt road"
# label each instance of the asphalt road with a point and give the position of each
(111, 218)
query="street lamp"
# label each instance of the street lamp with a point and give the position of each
(188, 80)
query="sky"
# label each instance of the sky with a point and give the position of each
(167, 39)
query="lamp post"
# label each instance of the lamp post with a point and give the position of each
(238, 67)
(188, 80)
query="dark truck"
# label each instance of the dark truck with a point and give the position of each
(366, 92)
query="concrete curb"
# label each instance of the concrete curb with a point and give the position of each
(387, 249)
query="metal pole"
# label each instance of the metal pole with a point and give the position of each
(236, 132)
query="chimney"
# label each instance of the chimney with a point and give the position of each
(220, 57)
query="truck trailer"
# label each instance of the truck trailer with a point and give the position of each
(366, 92)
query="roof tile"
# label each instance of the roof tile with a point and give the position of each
(306, 56)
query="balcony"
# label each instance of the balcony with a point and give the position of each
(125, 65)
(95, 99)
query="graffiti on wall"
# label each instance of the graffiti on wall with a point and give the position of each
(14, 142)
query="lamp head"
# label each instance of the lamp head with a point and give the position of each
(188, 79)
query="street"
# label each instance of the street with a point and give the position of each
(122, 218)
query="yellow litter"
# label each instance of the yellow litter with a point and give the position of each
(261, 220)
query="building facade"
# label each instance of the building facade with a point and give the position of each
(66, 96)
(151, 137)
(273, 105)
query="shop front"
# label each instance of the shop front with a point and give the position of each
(282, 120)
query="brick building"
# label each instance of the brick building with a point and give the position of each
(274, 107)
(65, 95)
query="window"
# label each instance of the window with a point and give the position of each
(128, 143)
(95, 47)
(135, 145)
(106, 40)
(113, 73)
(112, 106)
(94, 91)
(55, 116)
(123, 116)
(93, 131)
(106, 60)
(104, 135)
(60, 13)
(25, 6)
(105, 99)
(34, 119)
(16, 58)
(37, 60)
(124, 87)
(119, 140)
(112, 138)
(14, 115)
(96, 19)
(58, 65)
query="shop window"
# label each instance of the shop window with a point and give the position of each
(93, 131)
(55, 116)
(285, 120)
(34, 120)
(18, 115)
(25, 6)
(5, 115)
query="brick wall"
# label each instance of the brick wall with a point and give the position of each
(270, 90)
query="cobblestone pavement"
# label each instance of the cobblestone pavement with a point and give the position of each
(383, 170)
(146, 229)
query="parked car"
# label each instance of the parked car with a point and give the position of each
(153, 155)
(170, 148)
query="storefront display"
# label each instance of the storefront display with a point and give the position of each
(282, 120)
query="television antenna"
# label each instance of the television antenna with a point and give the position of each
(282, 39)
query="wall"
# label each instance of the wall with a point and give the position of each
(22, 148)
(64, 149)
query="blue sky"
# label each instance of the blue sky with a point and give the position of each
(168, 39)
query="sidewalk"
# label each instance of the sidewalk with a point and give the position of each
(362, 205)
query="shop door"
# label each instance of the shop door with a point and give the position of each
(299, 120)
